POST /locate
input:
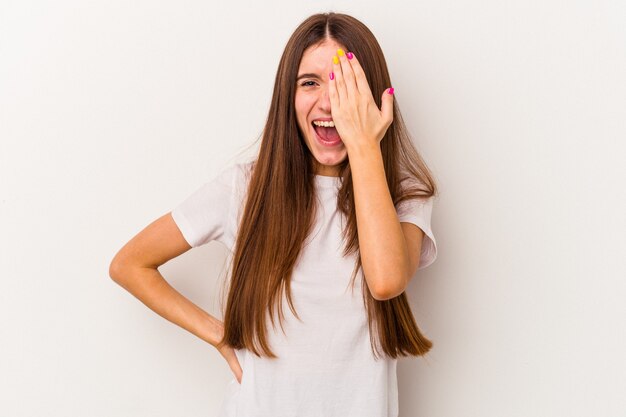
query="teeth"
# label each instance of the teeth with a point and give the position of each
(324, 124)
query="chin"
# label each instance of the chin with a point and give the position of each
(334, 157)
(334, 160)
(329, 156)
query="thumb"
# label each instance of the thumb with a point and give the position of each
(387, 105)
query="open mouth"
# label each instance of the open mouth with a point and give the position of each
(327, 135)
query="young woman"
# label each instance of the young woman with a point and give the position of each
(331, 219)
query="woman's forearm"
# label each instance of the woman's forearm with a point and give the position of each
(149, 286)
(383, 249)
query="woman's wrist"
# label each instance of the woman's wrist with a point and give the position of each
(215, 332)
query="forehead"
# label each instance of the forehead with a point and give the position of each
(320, 55)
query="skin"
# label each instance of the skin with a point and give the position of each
(389, 249)
(312, 101)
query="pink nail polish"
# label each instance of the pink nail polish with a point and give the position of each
(350, 55)
(390, 90)
(332, 75)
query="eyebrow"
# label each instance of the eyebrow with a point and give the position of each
(308, 75)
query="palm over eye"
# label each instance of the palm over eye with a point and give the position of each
(357, 119)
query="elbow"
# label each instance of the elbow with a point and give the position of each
(388, 292)
(385, 295)
(114, 271)
(117, 269)
(380, 296)
(387, 281)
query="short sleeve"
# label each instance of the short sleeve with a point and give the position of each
(419, 212)
(205, 215)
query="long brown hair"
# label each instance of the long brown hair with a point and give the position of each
(280, 205)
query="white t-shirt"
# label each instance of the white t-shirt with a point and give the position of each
(325, 365)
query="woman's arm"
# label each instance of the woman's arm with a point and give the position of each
(134, 268)
(387, 256)
(383, 245)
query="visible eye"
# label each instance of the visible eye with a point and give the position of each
(305, 84)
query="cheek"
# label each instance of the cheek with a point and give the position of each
(301, 115)
(300, 110)
(304, 102)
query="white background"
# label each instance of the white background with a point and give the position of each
(113, 112)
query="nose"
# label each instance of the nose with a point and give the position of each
(324, 100)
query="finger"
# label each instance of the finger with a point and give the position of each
(339, 81)
(360, 78)
(333, 95)
(349, 78)
(387, 106)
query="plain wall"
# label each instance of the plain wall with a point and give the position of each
(111, 113)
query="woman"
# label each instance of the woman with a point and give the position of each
(331, 219)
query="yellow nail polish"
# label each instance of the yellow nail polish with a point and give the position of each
(340, 52)
(335, 60)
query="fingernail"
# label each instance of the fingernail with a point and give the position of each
(349, 55)
(332, 75)
(390, 91)
(335, 59)
(340, 52)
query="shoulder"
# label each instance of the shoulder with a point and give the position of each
(235, 173)
(233, 180)
(412, 189)
(409, 183)
(241, 173)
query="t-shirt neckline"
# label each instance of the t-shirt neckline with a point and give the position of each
(327, 181)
